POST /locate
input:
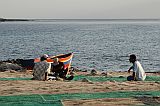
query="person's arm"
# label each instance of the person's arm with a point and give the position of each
(47, 72)
(49, 68)
(129, 70)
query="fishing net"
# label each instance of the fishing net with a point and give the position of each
(94, 78)
(55, 99)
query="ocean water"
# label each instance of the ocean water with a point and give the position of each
(97, 44)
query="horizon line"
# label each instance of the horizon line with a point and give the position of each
(90, 20)
(85, 18)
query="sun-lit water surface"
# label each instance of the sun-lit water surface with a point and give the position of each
(103, 45)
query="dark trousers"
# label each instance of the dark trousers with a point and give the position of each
(130, 78)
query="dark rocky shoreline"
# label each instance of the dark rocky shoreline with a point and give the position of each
(28, 64)
(5, 20)
(16, 65)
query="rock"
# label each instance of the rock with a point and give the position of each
(94, 72)
(107, 87)
(10, 66)
(157, 82)
(104, 73)
(113, 81)
(122, 88)
(108, 75)
(74, 69)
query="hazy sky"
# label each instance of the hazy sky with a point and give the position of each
(106, 9)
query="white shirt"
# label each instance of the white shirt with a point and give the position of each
(139, 72)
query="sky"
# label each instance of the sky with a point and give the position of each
(80, 9)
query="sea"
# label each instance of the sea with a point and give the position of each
(103, 45)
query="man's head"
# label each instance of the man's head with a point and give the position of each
(132, 58)
(44, 57)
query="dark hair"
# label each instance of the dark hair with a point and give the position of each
(43, 58)
(133, 56)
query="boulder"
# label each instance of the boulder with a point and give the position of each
(94, 72)
(10, 66)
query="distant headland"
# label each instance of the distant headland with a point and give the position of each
(83, 20)
(4, 20)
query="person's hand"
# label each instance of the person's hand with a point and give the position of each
(129, 71)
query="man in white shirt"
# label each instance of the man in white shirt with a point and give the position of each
(41, 69)
(138, 72)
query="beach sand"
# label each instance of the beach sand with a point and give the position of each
(28, 87)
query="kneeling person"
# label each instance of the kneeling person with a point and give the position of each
(138, 72)
(41, 69)
(59, 71)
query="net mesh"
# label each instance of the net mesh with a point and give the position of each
(55, 99)
(118, 79)
(93, 78)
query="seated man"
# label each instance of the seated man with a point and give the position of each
(59, 71)
(41, 69)
(138, 72)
